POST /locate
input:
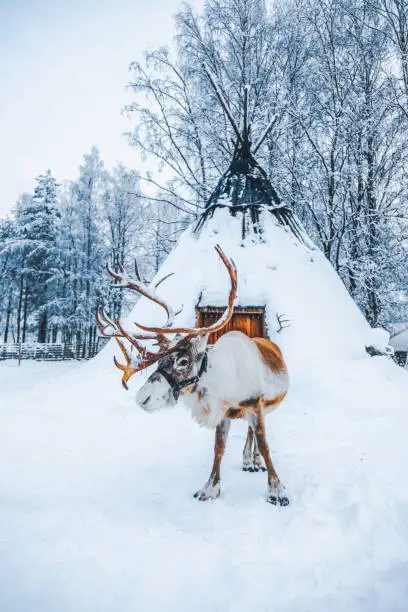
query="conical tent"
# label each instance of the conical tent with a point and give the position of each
(281, 273)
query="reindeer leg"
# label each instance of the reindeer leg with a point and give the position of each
(247, 462)
(258, 462)
(252, 461)
(275, 493)
(211, 490)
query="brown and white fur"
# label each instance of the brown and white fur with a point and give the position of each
(245, 378)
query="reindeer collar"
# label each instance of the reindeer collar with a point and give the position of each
(178, 387)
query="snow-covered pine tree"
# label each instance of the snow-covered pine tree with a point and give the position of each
(34, 248)
(87, 192)
(7, 273)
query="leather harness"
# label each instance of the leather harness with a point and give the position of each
(177, 387)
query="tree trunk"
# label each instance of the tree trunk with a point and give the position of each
(373, 310)
(8, 315)
(42, 327)
(25, 310)
(20, 303)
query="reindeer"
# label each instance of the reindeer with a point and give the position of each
(236, 378)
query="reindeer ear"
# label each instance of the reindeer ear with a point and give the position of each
(200, 343)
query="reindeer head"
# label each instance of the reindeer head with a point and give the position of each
(181, 356)
(175, 372)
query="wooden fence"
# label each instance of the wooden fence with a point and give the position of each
(50, 351)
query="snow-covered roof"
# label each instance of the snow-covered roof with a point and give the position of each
(280, 273)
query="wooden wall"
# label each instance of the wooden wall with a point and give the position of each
(250, 321)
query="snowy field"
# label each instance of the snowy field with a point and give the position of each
(97, 511)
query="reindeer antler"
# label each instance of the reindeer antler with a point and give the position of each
(283, 322)
(128, 368)
(145, 358)
(232, 270)
(139, 286)
(114, 329)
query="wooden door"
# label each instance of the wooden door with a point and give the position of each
(250, 321)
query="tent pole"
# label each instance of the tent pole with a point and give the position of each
(223, 102)
(265, 133)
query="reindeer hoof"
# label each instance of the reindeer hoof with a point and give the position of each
(258, 468)
(277, 501)
(208, 493)
(276, 495)
(201, 496)
(259, 464)
(253, 468)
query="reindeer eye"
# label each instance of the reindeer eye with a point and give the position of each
(183, 362)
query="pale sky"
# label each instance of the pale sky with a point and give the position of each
(63, 74)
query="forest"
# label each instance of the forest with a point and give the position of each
(332, 78)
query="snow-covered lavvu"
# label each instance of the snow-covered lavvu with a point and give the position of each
(97, 507)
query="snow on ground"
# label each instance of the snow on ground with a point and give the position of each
(97, 512)
(96, 496)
